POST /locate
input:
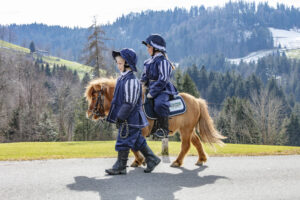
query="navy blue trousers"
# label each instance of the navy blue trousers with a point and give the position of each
(134, 140)
(161, 105)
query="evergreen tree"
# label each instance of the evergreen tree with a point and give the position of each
(84, 82)
(14, 126)
(47, 70)
(75, 77)
(203, 79)
(32, 47)
(189, 86)
(262, 71)
(46, 129)
(293, 130)
(178, 80)
(54, 69)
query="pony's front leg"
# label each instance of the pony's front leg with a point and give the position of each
(185, 146)
(139, 159)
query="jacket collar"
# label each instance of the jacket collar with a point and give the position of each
(151, 60)
(157, 55)
(124, 74)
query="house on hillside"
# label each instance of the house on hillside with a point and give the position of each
(41, 53)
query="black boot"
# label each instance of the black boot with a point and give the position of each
(120, 166)
(163, 127)
(151, 159)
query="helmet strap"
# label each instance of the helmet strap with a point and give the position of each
(155, 50)
(126, 66)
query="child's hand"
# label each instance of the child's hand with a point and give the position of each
(149, 96)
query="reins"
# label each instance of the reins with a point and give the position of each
(100, 102)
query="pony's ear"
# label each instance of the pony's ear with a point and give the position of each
(89, 92)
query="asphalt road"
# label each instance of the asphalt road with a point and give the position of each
(269, 177)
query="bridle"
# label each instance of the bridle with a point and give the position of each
(100, 102)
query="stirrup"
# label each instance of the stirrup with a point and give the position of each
(161, 133)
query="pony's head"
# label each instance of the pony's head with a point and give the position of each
(99, 94)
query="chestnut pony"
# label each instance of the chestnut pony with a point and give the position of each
(99, 94)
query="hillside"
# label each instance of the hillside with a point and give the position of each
(80, 68)
(235, 31)
(287, 41)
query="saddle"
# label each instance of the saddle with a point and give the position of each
(177, 107)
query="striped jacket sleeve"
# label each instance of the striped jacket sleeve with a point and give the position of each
(144, 76)
(132, 91)
(165, 70)
(132, 94)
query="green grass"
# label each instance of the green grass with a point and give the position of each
(13, 46)
(294, 54)
(80, 68)
(103, 149)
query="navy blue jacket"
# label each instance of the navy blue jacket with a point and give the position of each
(157, 74)
(127, 102)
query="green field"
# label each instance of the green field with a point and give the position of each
(294, 54)
(103, 149)
(13, 46)
(80, 68)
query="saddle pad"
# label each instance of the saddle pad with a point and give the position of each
(177, 107)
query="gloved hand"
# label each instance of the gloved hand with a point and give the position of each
(119, 122)
(149, 96)
(144, 84)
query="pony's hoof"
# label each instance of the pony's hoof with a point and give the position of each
(200, 163)
(134, 164)
(175, 164)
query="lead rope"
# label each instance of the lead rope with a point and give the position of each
(122, 128)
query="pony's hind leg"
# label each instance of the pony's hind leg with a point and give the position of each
(185, 146)
(139, 159)
(197, 143)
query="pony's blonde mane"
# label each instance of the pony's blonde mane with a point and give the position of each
(97, 84)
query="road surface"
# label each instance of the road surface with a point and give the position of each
(266, 177)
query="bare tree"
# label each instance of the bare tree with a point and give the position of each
(269, 115)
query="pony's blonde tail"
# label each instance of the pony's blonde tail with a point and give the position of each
(205, 127)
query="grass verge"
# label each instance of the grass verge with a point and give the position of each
(104, 149)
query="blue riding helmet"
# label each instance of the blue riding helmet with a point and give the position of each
(156, 41)
(128, 55)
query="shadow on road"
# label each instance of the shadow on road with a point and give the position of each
(136, 183)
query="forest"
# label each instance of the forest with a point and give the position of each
(251, 103)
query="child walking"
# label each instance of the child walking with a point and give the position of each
(126, 111)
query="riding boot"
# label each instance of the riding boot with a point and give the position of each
(120, 165)
(163, 127)
(151, 159)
